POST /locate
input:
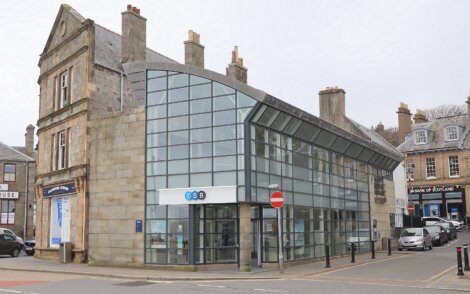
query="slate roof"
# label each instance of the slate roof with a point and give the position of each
(436, 135)
(108, 50)
(8, 153)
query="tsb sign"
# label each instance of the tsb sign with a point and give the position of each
(195, 195)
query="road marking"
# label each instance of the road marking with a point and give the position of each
(440, 274)
(211, 286)
(268, 290)
(10, 291)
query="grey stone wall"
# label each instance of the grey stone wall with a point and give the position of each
(117, 188)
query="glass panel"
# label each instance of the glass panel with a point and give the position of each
(155, 73)
(177, 81)
(200, 91)
(224, 102)
(224, 117)
(225, 179)
(201, 135)
(178, 166)
(176, 109)
(177, 138)
(156, 112)
(340, 145)
(176, 95)
(156, 140)
(201, 150)
(220, 89)
(225, 148)
(155, 126)
(198, 80)
(156, 168)
(224, 133)
(201, 120)
(201, 105)
(156, 98)
(201, 165)
(201, 180)
(177, 123)
(244, 100)
(178, 211)
(242, 114)
(268, 116)
(325, 139)
(307, 131)
(178, 152)
(225, 163)
(154, 154)
(180, 181)
(156, 84)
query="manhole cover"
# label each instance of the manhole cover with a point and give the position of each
(134, 284)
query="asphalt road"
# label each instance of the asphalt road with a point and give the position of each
(411, 272)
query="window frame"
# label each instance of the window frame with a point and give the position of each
(9, 179)
(430, 167)
(447, 133)
(10, 203)
(63, 89)
(453, 166)
(409, 169)
(418, 136)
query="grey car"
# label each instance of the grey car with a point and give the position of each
(415, 238)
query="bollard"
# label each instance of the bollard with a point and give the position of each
(465, 257)
(327, 256)
(353, 249)
(372, 247)
(459, 261)
(389, 245)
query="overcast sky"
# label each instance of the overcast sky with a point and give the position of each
(380, 52)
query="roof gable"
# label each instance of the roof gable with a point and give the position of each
(8, 153)
(66, 22)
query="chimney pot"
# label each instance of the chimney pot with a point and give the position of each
(129, 7)
(138, 11)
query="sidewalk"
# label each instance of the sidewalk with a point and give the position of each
(447, 280)
(26, 263)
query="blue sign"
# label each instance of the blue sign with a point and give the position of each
(138, 226)
(58, 190)
(454, 209)
(195, 195)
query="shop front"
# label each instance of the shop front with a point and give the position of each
(447, 201)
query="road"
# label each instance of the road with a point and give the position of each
(409, 272)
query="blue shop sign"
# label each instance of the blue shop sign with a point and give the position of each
(58, 190)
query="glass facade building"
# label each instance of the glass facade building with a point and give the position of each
(212, 147)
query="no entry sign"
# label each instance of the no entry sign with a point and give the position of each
(277, 199)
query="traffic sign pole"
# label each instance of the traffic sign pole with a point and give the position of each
(281, 249)
(277, 201)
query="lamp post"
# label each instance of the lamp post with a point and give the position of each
(279, 230)
(409, 176)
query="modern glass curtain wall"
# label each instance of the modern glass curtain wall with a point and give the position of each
(195, 138)
(326, 194)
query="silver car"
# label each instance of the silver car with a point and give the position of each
(415, 238)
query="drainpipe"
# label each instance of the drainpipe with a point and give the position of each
(122, 90)
(26, 200)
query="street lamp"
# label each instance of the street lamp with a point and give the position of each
(410, 167)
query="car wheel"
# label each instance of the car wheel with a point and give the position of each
(30, 253)
(400, 249)
(15, 252)
(430, 246)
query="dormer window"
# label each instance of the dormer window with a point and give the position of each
(420, 137)
(451, 133)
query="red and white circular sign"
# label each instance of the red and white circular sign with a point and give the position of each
(277, 199)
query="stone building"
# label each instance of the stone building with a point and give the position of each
(437, 163)
(146, 161)
(17, 195)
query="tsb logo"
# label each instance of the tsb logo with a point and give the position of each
(194, 195)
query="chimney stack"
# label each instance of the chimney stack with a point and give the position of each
(404, 122)
(29, 140)
(380, 127)
(420, 117)
(332, 106)
(236, 69)
(193, 50)
(133, 42)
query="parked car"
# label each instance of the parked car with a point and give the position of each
(9, 245)
(29, 246)
(10, 232)
(451, 231)
(438, 234)
(415, 238)
(430, 220)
